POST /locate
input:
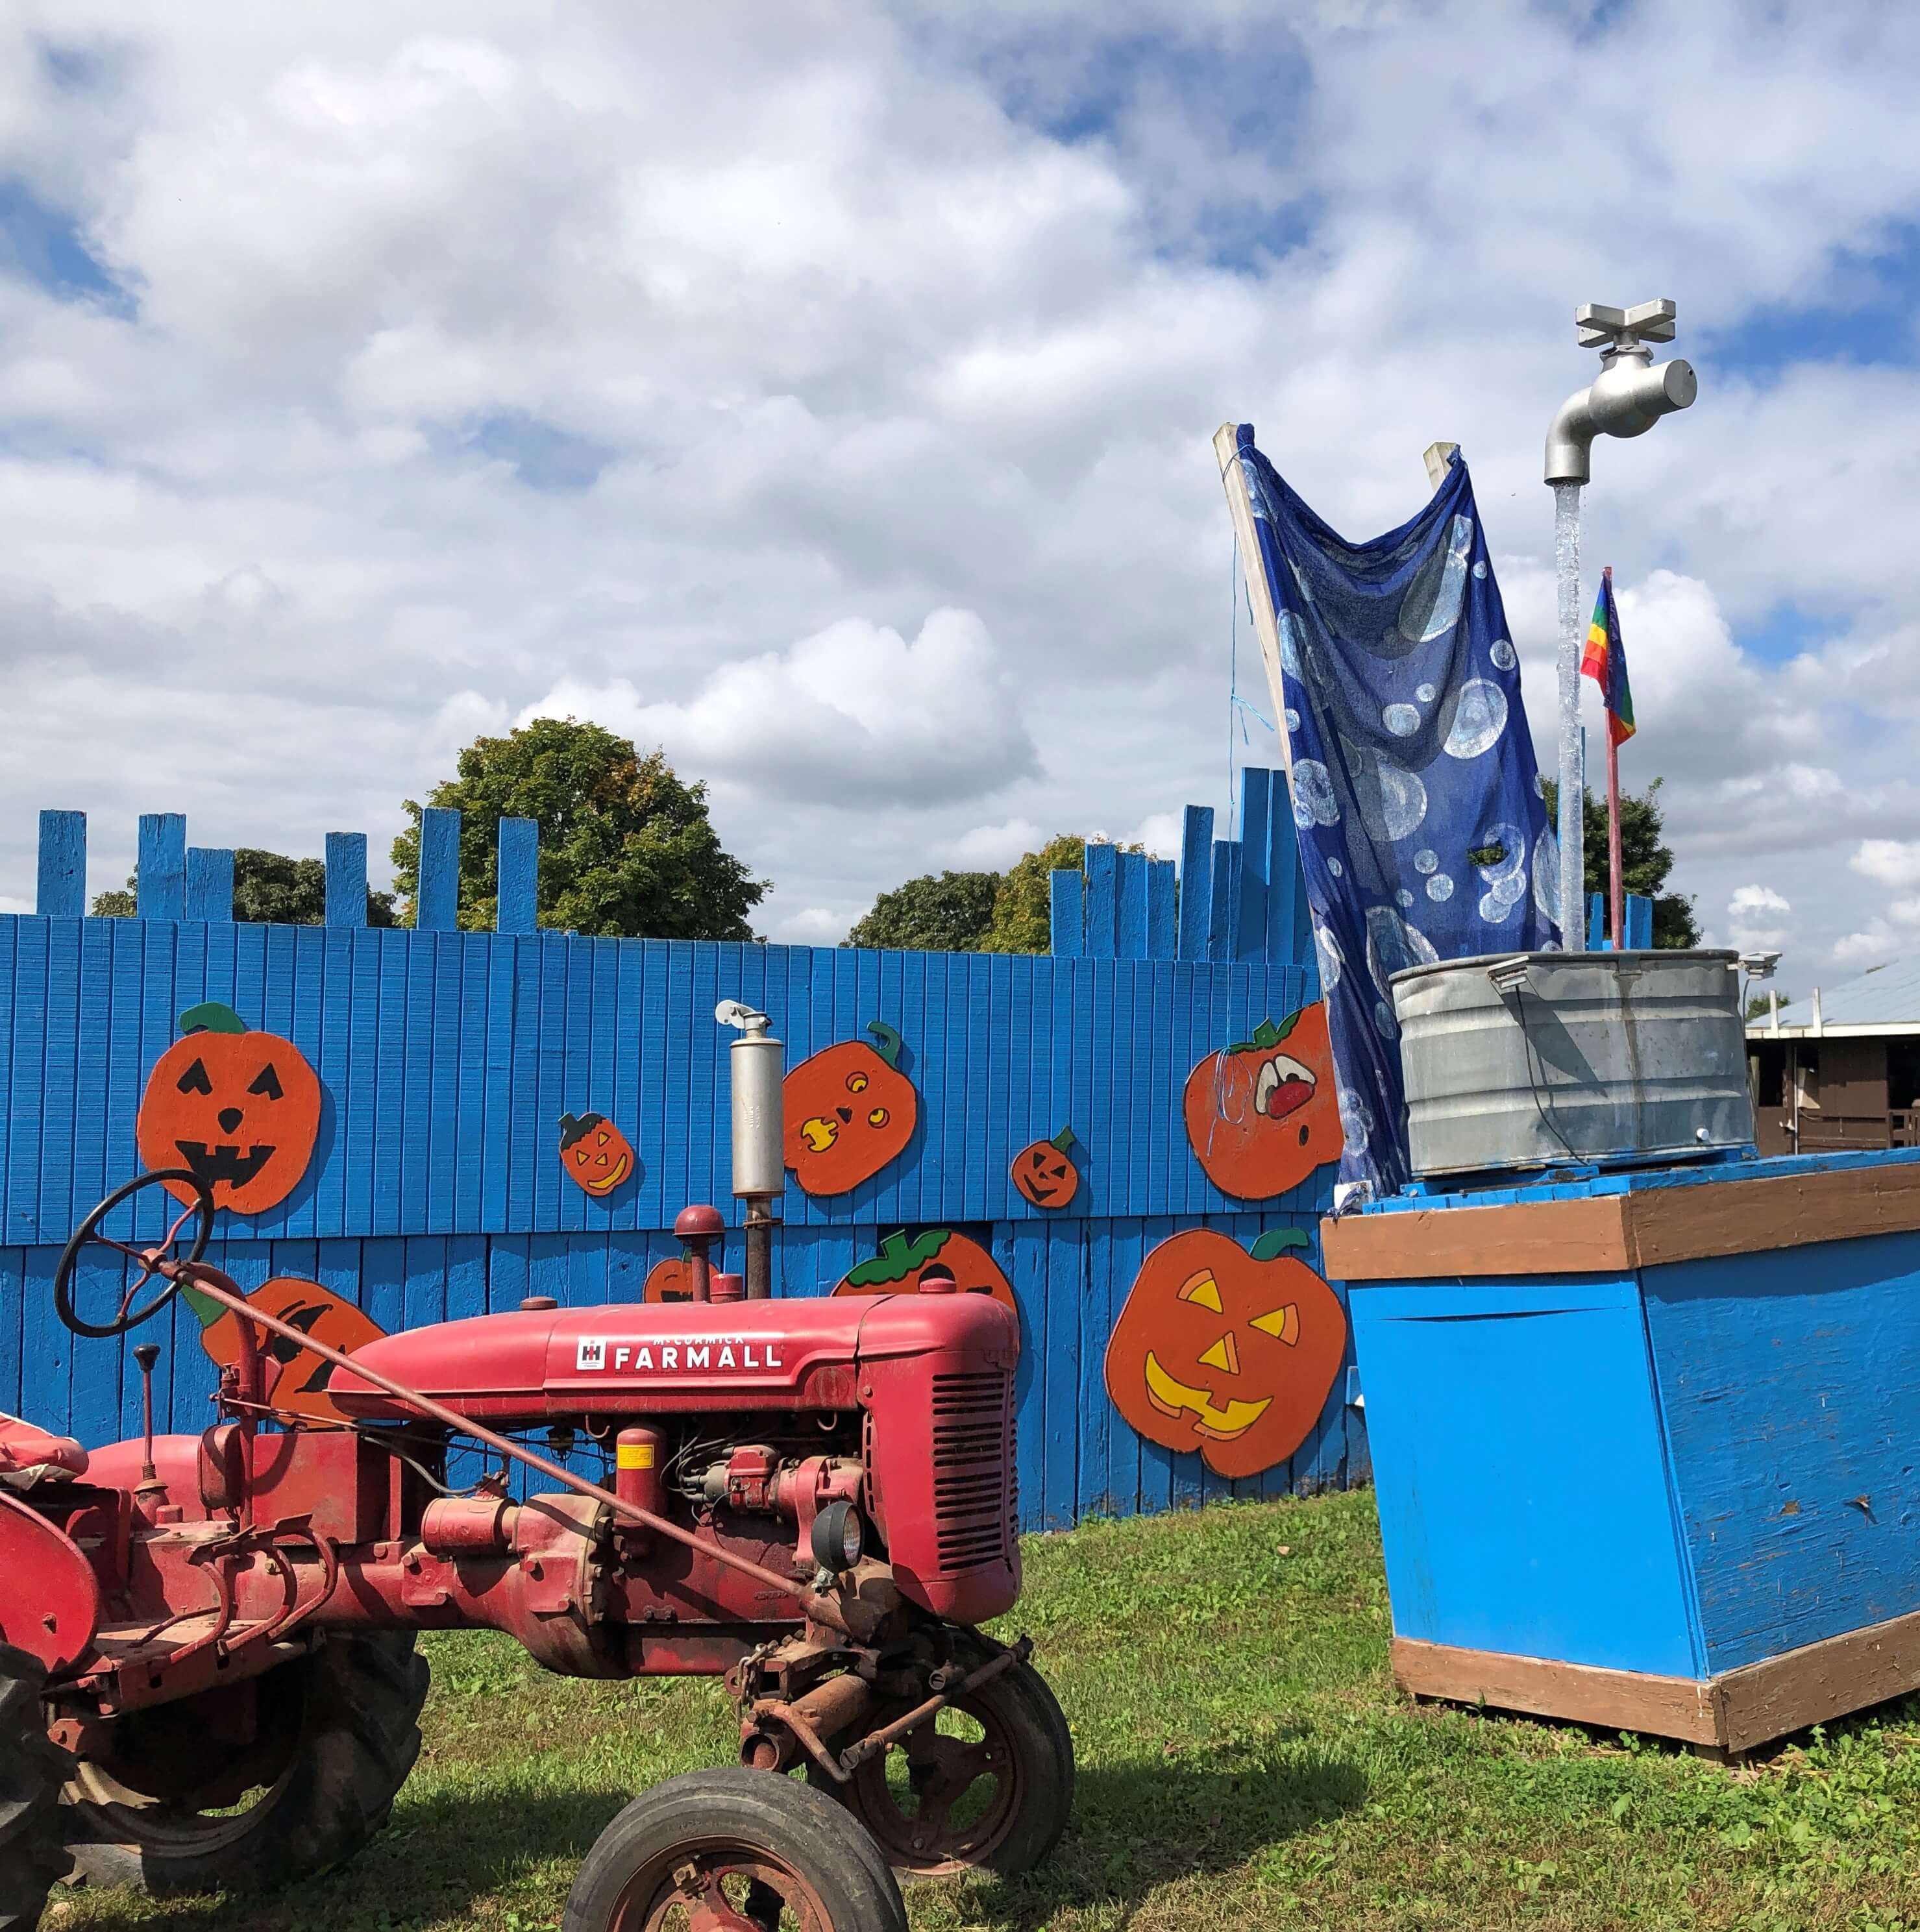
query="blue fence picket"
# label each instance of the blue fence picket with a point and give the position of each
(1067, 918)
(436, 896)
(62, 883)
(347, 878)
(1196, 880)
(161, 873)
(209, 885)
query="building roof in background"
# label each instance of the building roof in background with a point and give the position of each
(1884, 1000)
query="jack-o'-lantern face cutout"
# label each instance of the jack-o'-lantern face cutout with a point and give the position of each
(241, 1109)
(1045, 1174)
(595, 1152)
(669, 1280)
(1231, 1353)
(898, 1267)
(849, 1110)
(297, 1380)
(1261, 1116)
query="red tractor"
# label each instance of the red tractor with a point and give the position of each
(208, 1676)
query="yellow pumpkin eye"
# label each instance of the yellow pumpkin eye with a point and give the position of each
(878, 1118)
(856, 1083)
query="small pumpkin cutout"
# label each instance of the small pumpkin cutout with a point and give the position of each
(1262, 1115)
(595, 1152)
(1227, 1351)
(849, 1110)
(241, 1108)
(898, 1267)
(1044, 1173)
(297, 1379)
(669, 1280)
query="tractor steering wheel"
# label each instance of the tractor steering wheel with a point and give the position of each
(150, 1259)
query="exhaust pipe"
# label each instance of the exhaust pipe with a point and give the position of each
(756, 1065)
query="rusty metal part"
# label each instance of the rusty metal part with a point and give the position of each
(874, 1742)
(837, 1704)
(221, 1289)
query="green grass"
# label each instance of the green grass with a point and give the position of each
(1244, 1760)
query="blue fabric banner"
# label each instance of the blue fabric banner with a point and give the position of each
(1423, 831)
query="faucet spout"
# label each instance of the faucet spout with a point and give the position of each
(1629, 396)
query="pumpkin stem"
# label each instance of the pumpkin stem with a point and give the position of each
(889, 1039)
(1063, 1140)
(573, 1126)
(1276, 1241)
(898, 1258)
(204, 1306)
(210, 1016)
(1266, 1034)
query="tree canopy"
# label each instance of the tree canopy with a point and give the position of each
(1646, 861)
(626, 849)
(268, 887)
(948, 912)
(1022, 909)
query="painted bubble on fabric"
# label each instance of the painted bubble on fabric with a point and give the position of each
(1392, 800)
(1402, 720)
(1404, 897)
(1505, 879)
(1431, 608)
(1427, 860)
(1547, 876)
(1292, 717)
(1479, 568)
(1299, 577)
(1313, 800)
(1439, 887)
(1334, 866)
(1356, 1120)
(1479, 718)
(1332, 961)
(1393, 944)
(1502, 652)
(1426, 693)
(1290, 654)
(1383, 1023)
(1539, 786)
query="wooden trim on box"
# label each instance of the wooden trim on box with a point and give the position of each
(1618, 1700)
(1611, 1234)
(1735, 1712)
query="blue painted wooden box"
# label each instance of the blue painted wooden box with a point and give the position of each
(1648, 1443)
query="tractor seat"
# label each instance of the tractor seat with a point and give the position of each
(28, 1455)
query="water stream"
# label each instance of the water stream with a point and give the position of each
(1572, 777)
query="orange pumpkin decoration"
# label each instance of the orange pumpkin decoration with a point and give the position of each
(296, 1378)
(241, 1109)
(1231, 1353)
(669, 1280)
(1044, 1173)
(898, 1267)
(1261, 1116)
(849, 1110)
(594, 1152)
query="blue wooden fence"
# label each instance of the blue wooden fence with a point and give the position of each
(447, 1057)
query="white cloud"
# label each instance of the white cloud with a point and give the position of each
(1893, 862)
(992, 848)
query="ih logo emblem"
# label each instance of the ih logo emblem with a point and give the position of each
(590, 1354)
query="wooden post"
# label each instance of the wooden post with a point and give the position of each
(62, 883)
(210, 885)
(1259, 592)
(517, 897)
(436, 893)
(347, 878)
(1437, 456)
(159, 887)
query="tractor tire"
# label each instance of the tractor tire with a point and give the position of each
(31, 1772)
(345, 1731)
(1017, 1738)
(744, 1843)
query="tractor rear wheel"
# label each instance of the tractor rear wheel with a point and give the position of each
(734, 1850)
(31, 1773)
(986, 1785)
(335, 1735)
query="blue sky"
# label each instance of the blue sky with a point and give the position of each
(824, 391)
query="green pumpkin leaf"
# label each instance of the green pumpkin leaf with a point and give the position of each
(888, 1041)
(210, 1016)
(899, 1257)
(1266, 1035)
(1063, 1140)
(204, 1306)
(1277, 1241)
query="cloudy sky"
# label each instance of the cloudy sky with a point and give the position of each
(825, 391)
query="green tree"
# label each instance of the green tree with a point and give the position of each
(1646, 860)
(948, 912)
(626, 849)
(1023, 910)
(268, 887)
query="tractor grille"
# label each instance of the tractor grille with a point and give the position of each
(973, 1469)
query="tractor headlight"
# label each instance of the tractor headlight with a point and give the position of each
(839, 1537)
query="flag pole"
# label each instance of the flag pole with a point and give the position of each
(1616, 892)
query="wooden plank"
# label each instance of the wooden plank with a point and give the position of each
(1223, 908)
(160, 879)
(1067, 913)
(347, 878)
(1253, 566)
(517, 902)
(1249, 937)
(1196, 879)
(209, 884)
(1130, 901)
(1162, 893)
(436, 898)
(1819, 1682)
(61, 890)
(1787, 1210)
(1586, 1236)
(1102, 897)
(1615, 1700)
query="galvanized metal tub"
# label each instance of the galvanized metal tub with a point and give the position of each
(1527, 1059)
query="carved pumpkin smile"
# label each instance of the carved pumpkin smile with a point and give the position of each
(224, 1163)
(1221, 1420)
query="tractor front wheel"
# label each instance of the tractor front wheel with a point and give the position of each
(30, 1772)
(333, 1739)
(734, 1850)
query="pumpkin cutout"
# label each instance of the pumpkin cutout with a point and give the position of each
(595, 1152)
(1044, 1173)
(898, 1267)
(296, 1379)
(849, 1110)
(1229, 1352)
(669, 1280)
(241, 1109)
(1261, 1116)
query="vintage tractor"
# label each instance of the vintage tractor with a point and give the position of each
(208, 1676)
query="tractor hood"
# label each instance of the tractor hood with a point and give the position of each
(640, 1358)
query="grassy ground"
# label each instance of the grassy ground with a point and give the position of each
(1244, 1760)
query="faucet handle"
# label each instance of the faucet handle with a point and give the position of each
(1602, 327)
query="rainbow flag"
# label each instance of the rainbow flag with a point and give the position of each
(1605, 662)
